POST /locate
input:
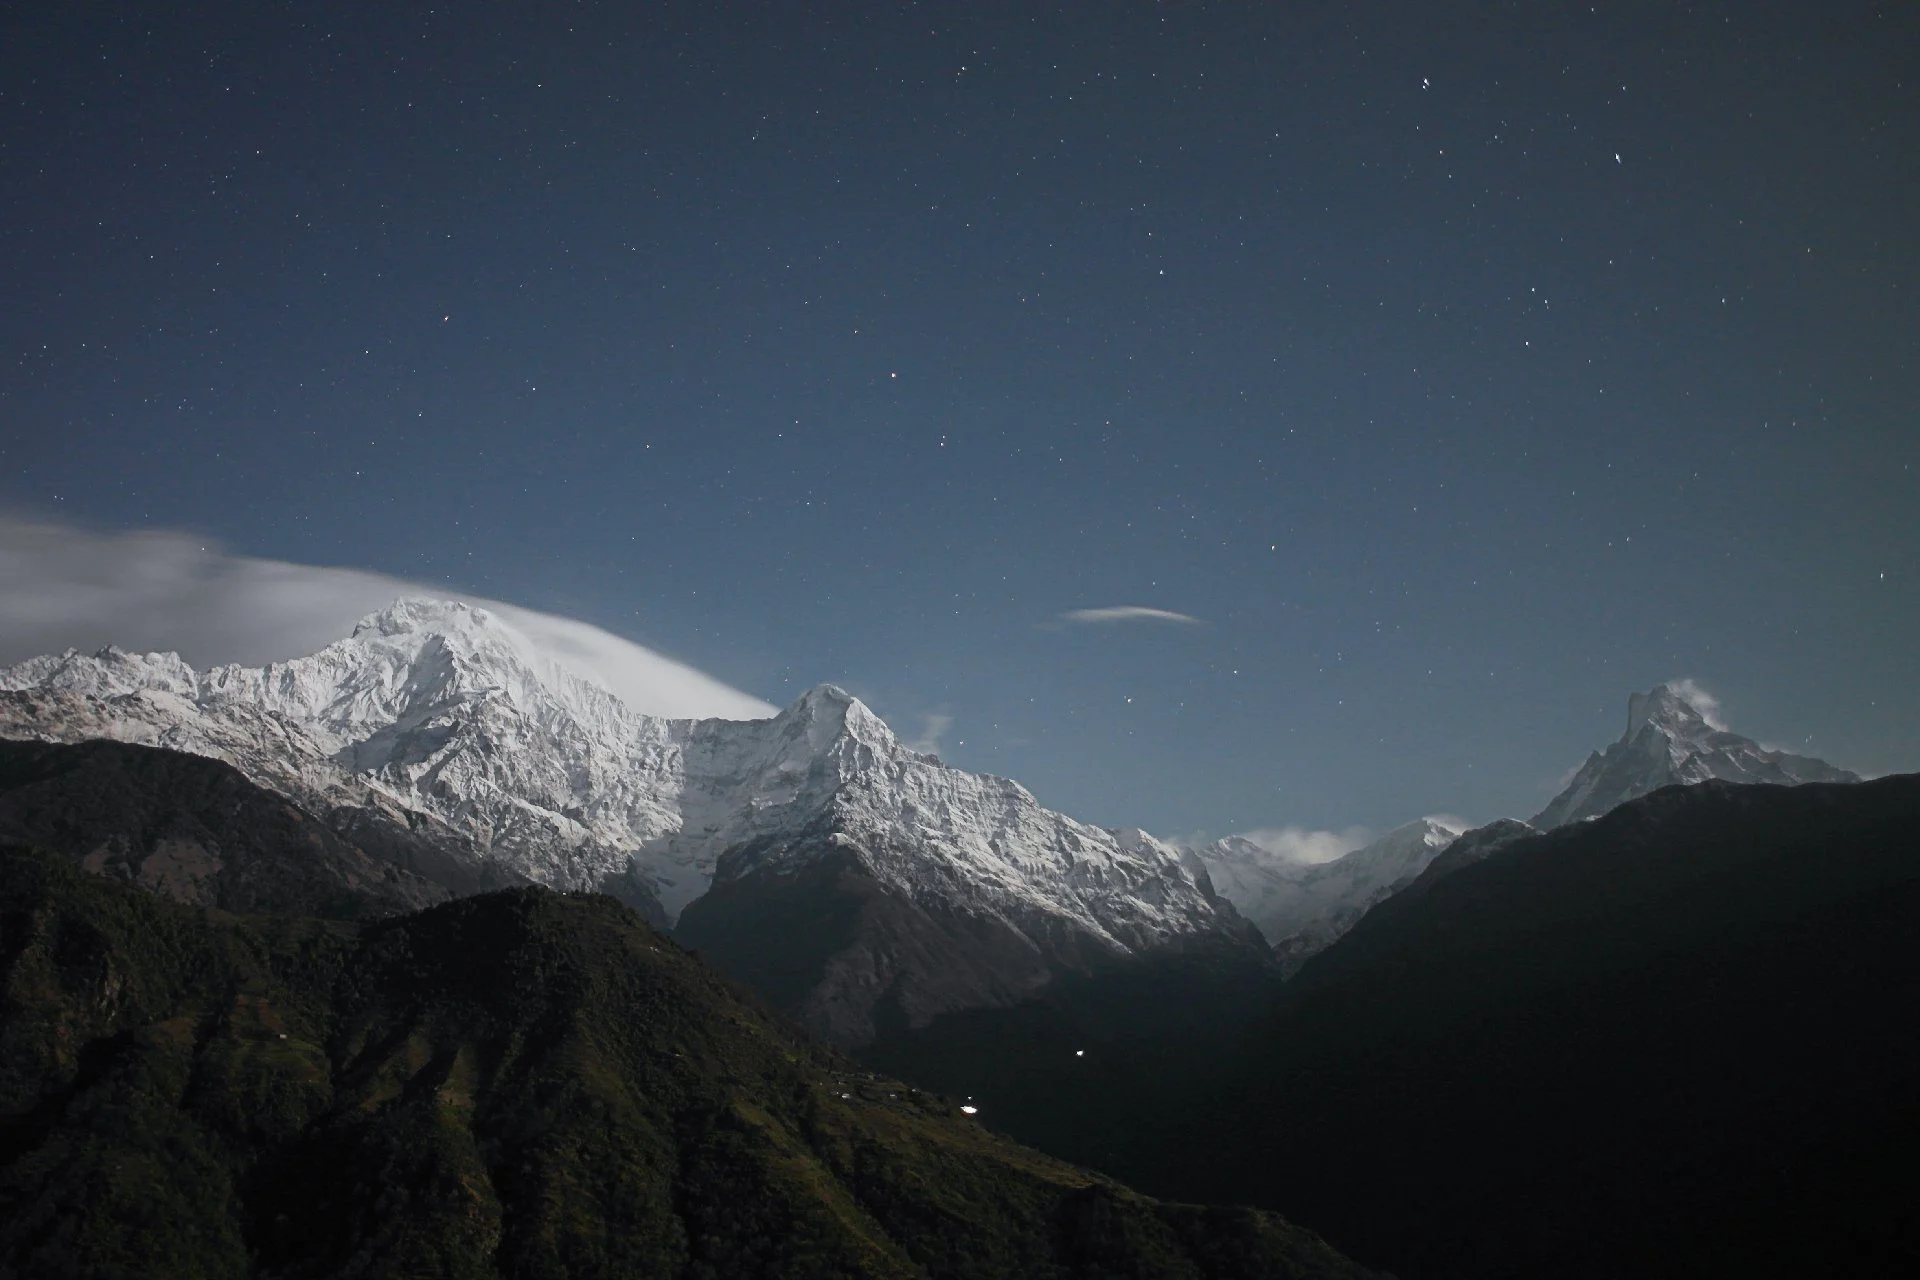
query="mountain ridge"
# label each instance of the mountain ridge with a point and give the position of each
(435, 716)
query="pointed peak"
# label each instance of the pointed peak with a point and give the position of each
(827, 710)
(1674, 735)
(825, 695)
(1676, 705)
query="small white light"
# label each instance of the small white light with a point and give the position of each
(970, 1110)
(1079, 1053)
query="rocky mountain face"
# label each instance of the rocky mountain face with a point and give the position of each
(1671, 740)
(1302, 907)
(436, 718)
(514, 1085)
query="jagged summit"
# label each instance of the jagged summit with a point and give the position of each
(827, 712)
(1674, 735)
(1678, 708)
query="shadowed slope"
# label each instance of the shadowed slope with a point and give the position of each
(194, 830)
(1676, 1040)
(520, 1084)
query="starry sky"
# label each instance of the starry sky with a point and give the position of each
(1436, 374)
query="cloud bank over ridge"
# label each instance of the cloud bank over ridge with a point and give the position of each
(160, 590)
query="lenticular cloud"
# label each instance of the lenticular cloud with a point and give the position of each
(1126, 613)
(169, 591)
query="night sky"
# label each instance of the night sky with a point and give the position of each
(1458, 369)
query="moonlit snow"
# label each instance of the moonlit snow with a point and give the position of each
(441, 709)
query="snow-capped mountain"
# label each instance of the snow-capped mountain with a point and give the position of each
(1670, 739)
(1302, 907)
(439, 715)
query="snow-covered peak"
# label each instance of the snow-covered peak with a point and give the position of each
(1674, 735)
(411, 662)
(410, 614)
(1672, 710)
(827, 713)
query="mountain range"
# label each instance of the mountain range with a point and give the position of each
(1660, 1033)
(919, 888)
(854, 880)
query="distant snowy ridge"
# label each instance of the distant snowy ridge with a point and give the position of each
(441, 712)
(1671, 740)
(1303, 907)
(1672, 737)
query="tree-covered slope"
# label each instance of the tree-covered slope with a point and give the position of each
(520, 1084)
(196, 831)
(1676, 1040)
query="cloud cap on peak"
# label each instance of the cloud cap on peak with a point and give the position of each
(1126, 613)
(1694, 695)
(1689, 693)
(171, 591)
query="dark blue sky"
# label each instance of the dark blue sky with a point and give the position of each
(1462, 367)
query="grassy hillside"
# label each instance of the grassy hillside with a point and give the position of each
(520, 1084)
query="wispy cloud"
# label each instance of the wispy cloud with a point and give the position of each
(933, 727)
(1126, 613)
(161, 590)
(1700, 700)
(1297, 844)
